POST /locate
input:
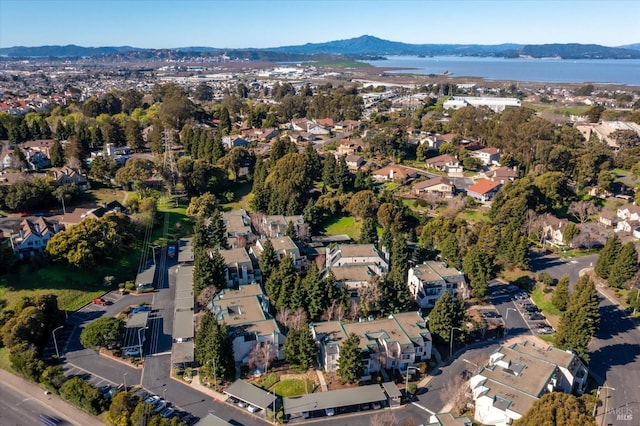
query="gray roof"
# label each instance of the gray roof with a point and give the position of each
(182, 352)
(392, 390)
(333, 399)
(138, 320)
(212, 420)
(184, 303)
(185, 251)
(250, 393)
(146, 276)
(183, 325)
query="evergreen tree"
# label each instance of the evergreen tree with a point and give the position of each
(298, 297)
(218, 231)
(369, 232)
(316, 296)
(350, 361)
(557, 408)
(214, 347)
(300, 348)
(282, 284)
(477, 266)
(56, 154)
(313, 162)
(386, 240)
(268, 261)
(209, 269)
(624, 267)
(225, 121)
(447, 312)
(291, 231)
(330, 286)
(560, 297)
(329, 171)
(292, 347)
(608, 256)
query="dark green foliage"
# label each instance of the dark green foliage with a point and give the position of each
(350, 362)
(316, 296)
(477, 265)
(141, 414)
(268, 261)
(580, 321)
(52, 378)
(214, 342)
(447, 312)
(369, 232)
(102, 333)
(27, 194)
(80, 393)
(28, 326)
(561, 409)
(560, 297)
(300, 348)
(283, 285)
(625, 266)
(608, 256)
(570, 232)
(209, 269)
(56, 154)
(24, 359)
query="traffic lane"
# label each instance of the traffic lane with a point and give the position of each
(556, 266)
(515, 324)
(615, 362)
(18, 410)
(102, 367)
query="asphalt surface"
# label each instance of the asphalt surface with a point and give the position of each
(17, 409)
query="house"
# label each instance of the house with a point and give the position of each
(246, 313)
(487, 156)
(239, 267)
(516, 376)
(440, 186)
(283, 246)
(502, 174)
(436, 141)
(394, 343)
(428, 281)
(354, 162)
(317, 129)
(357, 254)
(608, 218)
(484, 190)
(444, 163)
(275, 226)
(37, 160)
(553, 230)
(351, 146)
(495, 104)
(32, 236)
(394, 172)
(234, 141)
(347, 125)
(260, 135)
(66, 175)
(326, 122)
(238, 227)
(629, 212)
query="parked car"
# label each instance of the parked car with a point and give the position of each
(104, 389)
(153, 399)
(329, 412)
(132, 352)
(491, 314)
(190, 419)
(161, 405)
(141, 308)
(531, 308)
(376, 406)
(305, 414)
(536, 316)
(546, 330)
(167, 413)
(99, 301)
(252, 409)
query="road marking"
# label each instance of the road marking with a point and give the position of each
(89, 372)
(422, 408)
(159, 354)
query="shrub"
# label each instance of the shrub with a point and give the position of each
(269, 380)
(412, 388)
(130, 285)
(422, 367)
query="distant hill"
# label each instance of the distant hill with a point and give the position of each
(359, 47)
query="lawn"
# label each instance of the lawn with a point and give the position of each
(543, 301)
(343, 225)
(293, 387)
(175, 215)
(241, 191)
(473, 215)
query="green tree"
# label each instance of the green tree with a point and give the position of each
(268, 261)
(56, 154)
(80, 393)
(350, 361)
(363, 205)
(477, 265)
(102, 333)
(447, 312)
(608, 256)
(24, 359)
(570, 232)
(558, 408)
(209, 269)
(52, 378)
(141, 414)
(202, 207)
(605, 180)
(369, 232)
(300, 348)
(625, 266)
(316, 296)
(120, 409)
(560, 298)
(214, 348)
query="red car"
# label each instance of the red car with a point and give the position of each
(99, 301)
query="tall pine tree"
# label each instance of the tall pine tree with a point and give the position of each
(350, 362)
(625, 266)
(608, 256)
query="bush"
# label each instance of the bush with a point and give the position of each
(412, 388)
(269, 380)
(422, 367)
(547, 289)
(81, 394)
(130, 285)
(546, 278)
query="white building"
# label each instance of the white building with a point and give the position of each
(392, 343)
(428, 281)
(283, 246)
(246, 312)
(495, 104)
(518, 375)
(239, 267)
(33, 236)
(356, 254)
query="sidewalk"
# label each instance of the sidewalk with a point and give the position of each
(438, 358)
(323, 383)
(64, 410)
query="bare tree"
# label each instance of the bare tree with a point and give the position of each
(384, 418)
(581, 210)
(283, 316)
(354, 310)
(298, 319)
(257, 221)
(370, 295)
(261, 355)
(304, 232)
(206, 295)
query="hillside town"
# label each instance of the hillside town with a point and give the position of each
(229, 242)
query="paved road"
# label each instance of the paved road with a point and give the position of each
(17, 409)
(615, 361)
(557, 266)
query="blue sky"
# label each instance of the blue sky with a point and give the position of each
(264, 23)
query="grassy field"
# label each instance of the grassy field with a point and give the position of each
(543, 301)
(293, 387)
(176, 215)
(343, 225)
(473, 215)
(241, 191)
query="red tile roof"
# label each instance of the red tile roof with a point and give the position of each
(483, 186)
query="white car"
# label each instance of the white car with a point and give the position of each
(305, 414)
(329, 411)
(132, 352)
(252, 409)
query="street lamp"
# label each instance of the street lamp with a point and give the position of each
(451, 341)
(164, 394)
(124, 381)
(215, 379)
(506, 320)
(55, 342)
(595, 406)
(406, 380)
(154, 253)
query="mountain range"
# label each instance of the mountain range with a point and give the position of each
(359, 47)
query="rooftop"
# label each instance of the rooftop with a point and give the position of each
(236, 255)
(482, 186)
(506, 397)
(333, 399)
